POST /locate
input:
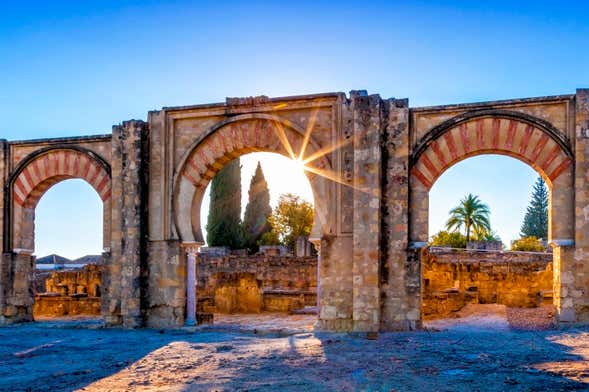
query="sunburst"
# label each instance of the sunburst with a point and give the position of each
(304, 163)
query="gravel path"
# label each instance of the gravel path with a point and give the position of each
(58, 356)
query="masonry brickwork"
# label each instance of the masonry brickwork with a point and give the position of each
(257, 283)
(87, 280)
(370, 162)
(453, 278)
(69, 292)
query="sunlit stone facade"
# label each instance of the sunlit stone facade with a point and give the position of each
(370, 162)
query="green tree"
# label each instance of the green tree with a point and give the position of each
(487, 236)
(472, 215)
(257, 211)
(528, 244)
(270, 238)
(451, 239)
(292, 218)
(536, 218)
(224, 220)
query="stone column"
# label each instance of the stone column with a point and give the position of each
(191, 249)
(575, 273)
(127, 268)
(366, 115)
(401, 268)
(317, 244)
(5, 282)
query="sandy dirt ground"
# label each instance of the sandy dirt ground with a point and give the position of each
(271, 353)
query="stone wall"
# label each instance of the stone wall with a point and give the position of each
(253, 284)
(69, 282)
(68, 293)
(59, 306)
(452, 278)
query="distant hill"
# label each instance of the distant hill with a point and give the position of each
(88, 259)
(53, 259)
(60, 260)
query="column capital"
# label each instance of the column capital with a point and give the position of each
(316, 243)
(191, 247)
(562, 242)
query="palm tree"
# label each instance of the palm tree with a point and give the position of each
(472, 214)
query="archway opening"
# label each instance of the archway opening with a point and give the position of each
(223, 143)
(482, 267)
(68, 244)
(267, 266)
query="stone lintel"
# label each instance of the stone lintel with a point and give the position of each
(64, 140)
(498, 103)
(268, 100)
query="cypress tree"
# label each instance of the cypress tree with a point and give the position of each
(536, 218)
(224, 220)
(257, 211)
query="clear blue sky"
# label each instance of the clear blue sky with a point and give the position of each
(74, 68)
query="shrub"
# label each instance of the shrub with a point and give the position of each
(450, 239)
(270, 238)
(528, 244)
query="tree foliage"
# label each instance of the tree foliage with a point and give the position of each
(292, 218)
(257, 211)
(453, 239)
(528, 244)
(490, 235)
(536, 218)
(472, 215)
(270, 238)
(224, 220)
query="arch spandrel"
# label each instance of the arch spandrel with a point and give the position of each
(229, 140)
(513, 137)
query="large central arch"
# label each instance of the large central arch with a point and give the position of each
(230, 139)
(531, 140)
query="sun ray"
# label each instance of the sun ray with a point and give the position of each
(310, 126)
(303, 162)
(327, 149)
(333, 177)
(279, 130)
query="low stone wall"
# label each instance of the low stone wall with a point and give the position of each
(58, 306)
(253, 284)
(452, 278)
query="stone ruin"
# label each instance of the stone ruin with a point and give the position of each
(453, 278)
(370, 161)
(69, 292)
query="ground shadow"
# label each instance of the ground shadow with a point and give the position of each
(38, 356)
